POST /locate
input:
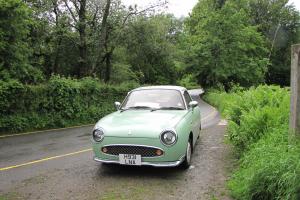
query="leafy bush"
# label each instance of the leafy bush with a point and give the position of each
(189, 81)
(258, 129)
(58, 103)
(251, 113)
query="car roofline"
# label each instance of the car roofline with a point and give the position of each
(160, 87)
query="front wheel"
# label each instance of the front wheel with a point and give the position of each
(188, 156)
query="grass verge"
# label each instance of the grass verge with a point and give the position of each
(269, 156)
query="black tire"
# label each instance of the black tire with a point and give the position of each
(199, 133)
(188, 155)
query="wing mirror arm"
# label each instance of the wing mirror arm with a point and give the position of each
(117, 105)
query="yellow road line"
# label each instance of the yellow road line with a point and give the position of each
(57, 129)
(44, 159)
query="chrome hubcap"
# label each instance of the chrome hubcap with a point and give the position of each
(188, 153)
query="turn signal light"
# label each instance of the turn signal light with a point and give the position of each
(104, 150)
(158, 152)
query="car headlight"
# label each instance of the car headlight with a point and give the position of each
(168, 138)
(98, 135)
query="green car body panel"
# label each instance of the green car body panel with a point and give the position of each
(142, 127)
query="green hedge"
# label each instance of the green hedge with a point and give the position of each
(258, 129)
(58, 103)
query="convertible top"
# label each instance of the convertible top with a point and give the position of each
(163, 87)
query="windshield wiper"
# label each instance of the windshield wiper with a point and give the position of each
(168, 108)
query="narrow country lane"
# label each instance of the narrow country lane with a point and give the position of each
(59, 165)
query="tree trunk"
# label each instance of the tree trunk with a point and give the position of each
(103, 38)
(57, 34)
(56, 58)
(107, 67)
(82, 68)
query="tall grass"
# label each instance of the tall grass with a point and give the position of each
(258, 129)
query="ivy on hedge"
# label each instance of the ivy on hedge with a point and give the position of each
(58, 103)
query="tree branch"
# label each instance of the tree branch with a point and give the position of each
(103, 33)
(75, 5)
(93, 22)
(70, 10)
(141, 11)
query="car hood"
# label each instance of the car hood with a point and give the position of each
(139, 123)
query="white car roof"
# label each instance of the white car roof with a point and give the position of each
(163, 87)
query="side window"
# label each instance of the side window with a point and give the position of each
(187, 98)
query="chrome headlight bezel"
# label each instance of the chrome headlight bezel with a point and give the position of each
(98, 134)
(163, 138)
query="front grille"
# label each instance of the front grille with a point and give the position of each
(126, 149)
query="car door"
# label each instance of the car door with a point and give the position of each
(193, 116)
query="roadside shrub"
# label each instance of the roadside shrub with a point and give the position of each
(252, 112)
(258, 129)
(189, 82)
(11, 93)
(60, 102)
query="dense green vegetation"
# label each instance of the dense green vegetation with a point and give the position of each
(258, 129)
(225, 51)
(221, 42)
(100, 39)
(58, 103)
(246, 41)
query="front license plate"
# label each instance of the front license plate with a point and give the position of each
(130, 159)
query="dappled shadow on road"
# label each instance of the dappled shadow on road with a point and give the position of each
(115, 170)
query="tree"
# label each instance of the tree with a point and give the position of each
(52, 38)
(79, 18)
(114, 21)
(223, 47)
(279, 23)
(15, 24)
(151, 48)
(78, 37)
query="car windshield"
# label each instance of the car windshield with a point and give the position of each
(154, 99)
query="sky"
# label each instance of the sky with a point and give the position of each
(180, 7)
(296, 3)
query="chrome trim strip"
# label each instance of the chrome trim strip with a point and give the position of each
(161, 164)
(185, 103)
(120, 108)
(135, 145)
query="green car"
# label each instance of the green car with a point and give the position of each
(155, 126)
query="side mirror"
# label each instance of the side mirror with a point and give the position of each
(117, 105)
(193, 104)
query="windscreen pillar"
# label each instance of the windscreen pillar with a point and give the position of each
(295, 91)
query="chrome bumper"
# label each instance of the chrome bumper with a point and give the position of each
(161, 164)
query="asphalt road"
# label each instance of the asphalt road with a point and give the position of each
(59, 165)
